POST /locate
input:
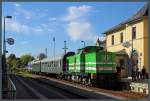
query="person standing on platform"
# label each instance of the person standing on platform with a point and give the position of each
(143, 73)
(134, 73)
(139, 73)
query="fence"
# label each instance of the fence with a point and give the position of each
(10, 92)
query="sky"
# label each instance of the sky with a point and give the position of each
(34, 24)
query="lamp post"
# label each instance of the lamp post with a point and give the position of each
(54, 46)
(46, 52)
(65, 46)
(4, 66)
(83, 43)
(4, 40)
(133, 36)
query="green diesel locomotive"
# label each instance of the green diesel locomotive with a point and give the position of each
(93, 66)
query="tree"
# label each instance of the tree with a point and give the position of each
(25, 59)
(11, 61)
(18, 63)
(12, 56)
(41, 56)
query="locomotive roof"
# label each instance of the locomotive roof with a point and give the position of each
(87, 47)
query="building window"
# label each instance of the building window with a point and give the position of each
(133, 32)
(112, 40)
(121, 37)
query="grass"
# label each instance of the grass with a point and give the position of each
(25, 74)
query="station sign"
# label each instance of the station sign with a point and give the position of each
(10, 41)
(126, 44)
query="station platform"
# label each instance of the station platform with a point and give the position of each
(140, 86)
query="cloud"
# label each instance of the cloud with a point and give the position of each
(78, 25)
(75, 12)
(17, 5)
(23, 21)
(27, 14)
(18, 27)
(80, 31)
(20, 11)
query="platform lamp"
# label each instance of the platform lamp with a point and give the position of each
(83, 43)
(4, 66)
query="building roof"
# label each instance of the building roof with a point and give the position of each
(139, 14)
(121, 52)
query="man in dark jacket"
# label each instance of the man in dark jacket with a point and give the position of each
(143, 73)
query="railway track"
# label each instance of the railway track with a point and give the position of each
(42, 90)
(71, 94)
(22, 91)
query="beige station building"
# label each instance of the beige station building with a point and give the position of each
(130, 39)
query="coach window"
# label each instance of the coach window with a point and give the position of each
(48, 64)
(60, 63)
(56, 63)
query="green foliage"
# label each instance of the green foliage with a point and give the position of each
(25, 59)
(41, 56)
(13, 62)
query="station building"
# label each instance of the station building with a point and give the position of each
(130, 39)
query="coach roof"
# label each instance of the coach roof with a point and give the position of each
(58, 57)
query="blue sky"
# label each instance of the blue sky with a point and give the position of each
(34, 24)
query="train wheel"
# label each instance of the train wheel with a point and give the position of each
(84, 81)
